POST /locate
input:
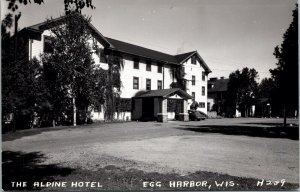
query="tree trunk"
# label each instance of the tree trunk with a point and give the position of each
(74, 111)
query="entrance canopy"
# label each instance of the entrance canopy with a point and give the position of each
(166, 93)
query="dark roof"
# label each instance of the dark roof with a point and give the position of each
(141, 51)
(220, 85)
(127, 47)
(181, 57)
(165, 93)
(49, 23)
(152, 54)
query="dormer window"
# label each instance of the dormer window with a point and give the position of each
(136, 64)
(193, 60)
(148, 66)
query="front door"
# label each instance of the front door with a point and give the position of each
(148, 109)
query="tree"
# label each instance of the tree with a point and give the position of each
(266, 88)
(113, 84)
(286, 73)
(242, 90)
(22, 90)
(178, 74)
(68, 66)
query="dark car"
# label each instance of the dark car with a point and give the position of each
(196, 115)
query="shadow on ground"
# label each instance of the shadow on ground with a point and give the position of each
(114, 178)
(247, 130)
(19, 166)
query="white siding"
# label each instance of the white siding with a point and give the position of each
(196, 70)
(128, 72)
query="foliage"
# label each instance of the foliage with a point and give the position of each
(70, 5)
(13, 5)
(242, 90)
(266, 88)
(286, 74)
(22, 90)
(194, 105)
(68, 67)
(178, 74)
(113, 85)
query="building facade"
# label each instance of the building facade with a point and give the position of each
(143, 69)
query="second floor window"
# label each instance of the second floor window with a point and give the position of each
(136, 64)
(193, 60)
(148, 66)
(159, 84)
(194, 96)
(203, 91)
(135, 83)
(203, 76)
(193, 80)
(148, 84)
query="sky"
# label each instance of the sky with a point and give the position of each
(228, 34)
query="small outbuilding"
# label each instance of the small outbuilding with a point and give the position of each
(153, 105)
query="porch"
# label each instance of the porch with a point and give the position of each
(160, 104)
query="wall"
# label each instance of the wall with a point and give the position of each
(196, 70)
(128, 72)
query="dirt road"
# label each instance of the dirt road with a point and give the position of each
(253, 148)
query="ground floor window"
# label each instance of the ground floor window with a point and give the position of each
(201, 104)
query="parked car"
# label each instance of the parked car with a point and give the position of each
(196, 115)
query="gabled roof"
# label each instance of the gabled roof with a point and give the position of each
(165, 93)
(220, 85)
(141, 51)
(124, 47)
(183, 57)
(53, 22)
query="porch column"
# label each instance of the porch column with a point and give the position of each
(184, 116)
(162, 116)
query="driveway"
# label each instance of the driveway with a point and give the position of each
(254, 147)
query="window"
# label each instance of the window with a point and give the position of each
(193, 60)
(148, 84)
(159, 84)
(203, 76)
(193, 80)
(201, 105)
(135, 83)
(194, 96)
(47, 44)
(97, 108)
(102, 56)
(136, 64)
(159, 69)
(148, 66)
(203, 91)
